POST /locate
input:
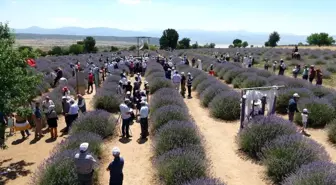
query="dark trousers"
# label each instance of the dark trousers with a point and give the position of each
(90, 86)
(69, 119)
(85, 179)
(23, 132)
(305, 77)
(189, 91)
(183, 89)
(144, 127)
(56, 80)
(291, 116)
(125, 126)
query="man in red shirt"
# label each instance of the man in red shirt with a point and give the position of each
(90, 83)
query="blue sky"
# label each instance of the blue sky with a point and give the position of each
(285, 16)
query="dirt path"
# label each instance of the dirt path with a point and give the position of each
(222, 150)
(24, 156)
(137, 154)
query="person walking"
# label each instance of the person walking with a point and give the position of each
(168, 74)
(319, 77)
(189, 84)
(81, 103)
(292, 106)
(125, 112)
(52, 122)
(45, 107)
(90, 83)
(38, 121)
(73, 112)
(312, 73)
(282, 67)
(116, 168)
(144, 111)
(305, 73)
(59, 75)
(66, 108)
(176, 80)
(85, 164)
(183, 84)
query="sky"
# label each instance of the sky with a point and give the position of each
(300, 17)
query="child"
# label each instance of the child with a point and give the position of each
(304, 116)
(10, 124)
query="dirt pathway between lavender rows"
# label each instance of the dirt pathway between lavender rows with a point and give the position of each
(222, 150)
(24, 156)
(137, 154)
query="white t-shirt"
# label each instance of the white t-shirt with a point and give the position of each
(124, 110)
(73, 109)
(144, 112)
(304, 118)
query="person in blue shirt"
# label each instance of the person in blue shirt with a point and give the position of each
(115, 168)
(38, 121)
(292, 106)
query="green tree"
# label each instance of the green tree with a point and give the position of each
(237, 43)
(195, 46)
(80, 42)
(320, 39)
(41, 52)
(153, 47)
(169, 39)
(56, 50)
(18, 81)
(21, 48)
(274, 38)
(245, 44)
(231, 46)
(184, 43)
(252, 46)
(212, 45)
(89, 45)
(300, 44)
(76, 49)
(113, 49)
(132, 48)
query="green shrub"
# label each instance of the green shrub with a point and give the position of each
(226, 106)
(198, 80)
(107, 100)
(207, 95)
(286, 94)
(167, 113)
(158, 83)
(230, 75)
(205, 84)
(332, 131)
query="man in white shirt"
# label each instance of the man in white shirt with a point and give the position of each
(176, 80)
(125, 113)
(144, 111)
(73, 112)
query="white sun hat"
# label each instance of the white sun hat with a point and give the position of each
(115, 151)
(296, 95)
(83, 147)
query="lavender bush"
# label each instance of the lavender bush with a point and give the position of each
(230, 75)
(176, 134)
(205, 84)
(199, 79)
(159, 83)
(321, 111)
(108, 100)
(261, 130)
(254, 81)
(240, 78)
(205, 181)
(209, 93)
(74, 140)
(158, 101)
(224, 70)
(167, 113)
(99, 122)
(318, 172)
(226, 106)
(286, 94)
(288, 153)
(332, 131)
(319, 91)
(182, 165)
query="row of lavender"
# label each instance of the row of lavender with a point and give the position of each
(289, 157)
(320, 101)
(92, 127)
(179, 155)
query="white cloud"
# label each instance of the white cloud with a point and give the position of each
(133, 2)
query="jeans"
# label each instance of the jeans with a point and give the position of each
(125, 126)
(144, 127)
(85, 179)
(291, 116)
(90, 86)
(183, 90)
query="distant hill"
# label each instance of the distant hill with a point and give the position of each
(201, 36)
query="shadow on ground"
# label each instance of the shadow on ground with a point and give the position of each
(13, 170)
